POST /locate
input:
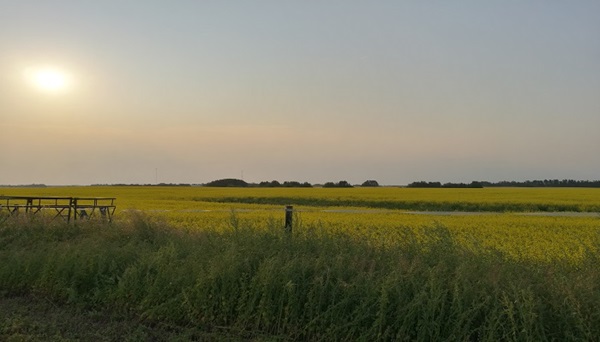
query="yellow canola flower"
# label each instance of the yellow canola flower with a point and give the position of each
(515, 235)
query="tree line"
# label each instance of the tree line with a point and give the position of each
(548, 183)
(232, 182)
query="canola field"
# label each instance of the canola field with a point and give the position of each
(529, 224)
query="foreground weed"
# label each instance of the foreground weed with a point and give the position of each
(254, 281)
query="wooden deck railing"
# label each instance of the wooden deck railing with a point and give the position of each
(76, 208)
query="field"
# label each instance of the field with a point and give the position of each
(527, 231)
(361, 263)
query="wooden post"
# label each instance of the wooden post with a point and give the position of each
(69, 210)
(74, 205)
(289, 210)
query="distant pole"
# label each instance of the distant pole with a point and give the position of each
(289, 210)
(156, 176)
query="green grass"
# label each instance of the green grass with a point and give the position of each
(37, 318)
(261, 284)
(417, 205)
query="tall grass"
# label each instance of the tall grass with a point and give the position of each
(312, 285)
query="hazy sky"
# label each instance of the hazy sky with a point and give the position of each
(396, 91)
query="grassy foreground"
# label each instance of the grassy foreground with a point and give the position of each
(249, 284)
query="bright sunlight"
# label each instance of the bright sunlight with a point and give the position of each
(48, 79)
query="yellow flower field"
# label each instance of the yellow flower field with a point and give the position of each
(518, 235)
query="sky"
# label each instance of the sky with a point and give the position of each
(104, 92)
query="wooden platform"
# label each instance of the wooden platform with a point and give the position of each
(67, 208)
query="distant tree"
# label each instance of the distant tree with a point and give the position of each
(555, 183)
(425, 185)
(271, 184)
(228, 182)
(173, 184)
(329, 185)
(286, 184)
(475, 184)
(344, 184)
(370, 183)
(340, 184)
(23, 186)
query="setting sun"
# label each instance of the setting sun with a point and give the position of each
(51, 80)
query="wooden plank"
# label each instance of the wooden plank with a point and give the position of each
(34, 204)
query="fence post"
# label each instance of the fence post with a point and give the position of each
(289, 210)
(74, 206)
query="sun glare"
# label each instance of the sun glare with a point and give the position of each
(49, 80)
